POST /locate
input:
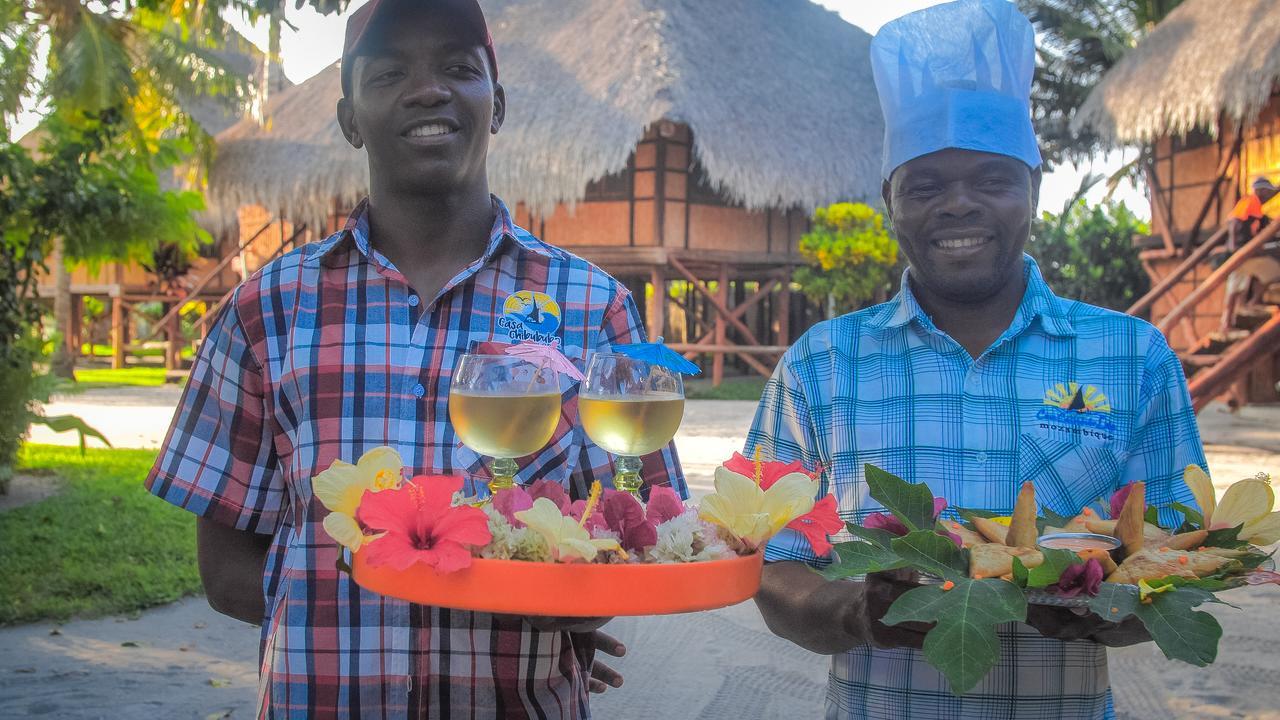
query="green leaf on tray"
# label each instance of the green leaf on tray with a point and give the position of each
(963, 644)
(1192, 515)
(875, 536)
(1114, 602)
(912, 503)
(859, 558)
(930, 552)
(1020, 572)
(1180, 631)
(1048, 572)
(1226, 538)
(1152, 515)
(1049, 518)
(1207, 584)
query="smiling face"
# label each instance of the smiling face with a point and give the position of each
(962, 218)
(422, 102)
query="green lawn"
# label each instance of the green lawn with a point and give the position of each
(100, 378)
(102, 546)
(737, 388)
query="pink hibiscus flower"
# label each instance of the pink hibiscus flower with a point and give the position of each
(552, 491)
(626, 517)
(510, 501)
(1117, 500)
(420, 525)
(664, 504)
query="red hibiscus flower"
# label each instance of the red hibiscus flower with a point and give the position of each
(664, 504)
(818, 523)
(420, 525)
(1079, 578)
(770, 472)
(626, 517)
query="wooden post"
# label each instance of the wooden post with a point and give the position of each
(173, 348)
(1159, 208)
(722, 328)
(657, 304)
(1167, 282)
(75, 343)
(784, 313)
(118, 332)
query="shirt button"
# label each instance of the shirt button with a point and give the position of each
(980, 457)
(414, 300)
(419, 390)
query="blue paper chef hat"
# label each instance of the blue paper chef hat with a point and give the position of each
(956, 75)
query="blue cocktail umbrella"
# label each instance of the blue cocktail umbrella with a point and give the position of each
(657, 353)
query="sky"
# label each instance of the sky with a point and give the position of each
(317, 43)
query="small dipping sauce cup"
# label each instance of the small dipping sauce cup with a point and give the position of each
(1077, 541)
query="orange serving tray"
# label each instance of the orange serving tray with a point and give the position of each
(571, 589)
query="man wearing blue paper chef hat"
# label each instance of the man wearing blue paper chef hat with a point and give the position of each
(974, 379)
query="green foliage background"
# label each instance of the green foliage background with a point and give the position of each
(1088, 254)
(853, 258)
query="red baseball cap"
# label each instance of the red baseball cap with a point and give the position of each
(363, 19)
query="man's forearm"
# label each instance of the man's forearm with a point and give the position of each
(801, 606)
(231, 563)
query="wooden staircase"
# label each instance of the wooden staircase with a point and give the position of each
(1216, 363)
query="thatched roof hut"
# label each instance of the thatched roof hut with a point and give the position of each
(778, 95)
(1206, 60)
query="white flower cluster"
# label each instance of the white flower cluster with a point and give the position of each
(513, 543)
(688, 538)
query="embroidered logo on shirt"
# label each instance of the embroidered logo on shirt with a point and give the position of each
(1075, 409)
(531, 315)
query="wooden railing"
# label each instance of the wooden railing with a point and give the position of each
(1219, 276)
(212, 312)
(1217, 379)
(1173, 278)
(165, 322)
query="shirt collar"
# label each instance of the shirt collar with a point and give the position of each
(356, 233)
(1037, 302)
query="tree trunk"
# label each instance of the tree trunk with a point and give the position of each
(63, 363)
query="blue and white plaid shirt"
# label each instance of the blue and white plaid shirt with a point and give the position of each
(1078, 399)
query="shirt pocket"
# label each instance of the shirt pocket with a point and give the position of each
(1069, 474)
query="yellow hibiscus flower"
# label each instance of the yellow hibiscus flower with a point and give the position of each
(340, 488)
(752, 513)
(1247, 503)
(567, 539)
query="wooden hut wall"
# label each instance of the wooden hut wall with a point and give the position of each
(1261, 151)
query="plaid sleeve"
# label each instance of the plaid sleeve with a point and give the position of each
(622, 326)
(1165, 438)
(783, 431)
(218, 460)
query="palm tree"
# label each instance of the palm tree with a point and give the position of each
(142, 60)
(1079, 41)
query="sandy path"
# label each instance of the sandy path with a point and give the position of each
(722, 664)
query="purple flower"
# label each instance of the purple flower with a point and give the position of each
(1083, 577)
(1117, 500)
(625, 516)
(510, 501)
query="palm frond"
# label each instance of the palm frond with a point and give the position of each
(90, 68)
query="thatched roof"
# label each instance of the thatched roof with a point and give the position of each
(1208, 57)
(779, 95)
(244, 59)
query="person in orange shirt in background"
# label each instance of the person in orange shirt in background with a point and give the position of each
(1253, 213)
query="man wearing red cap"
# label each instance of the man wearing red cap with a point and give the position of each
(347, 345)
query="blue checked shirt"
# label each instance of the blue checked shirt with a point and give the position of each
(1077, 399)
